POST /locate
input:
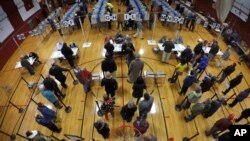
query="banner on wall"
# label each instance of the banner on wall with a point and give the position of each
(5, 26)
(26, 13)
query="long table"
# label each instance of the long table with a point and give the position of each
(177, 47)
(58, 54)
(30, 59)
(207, 49)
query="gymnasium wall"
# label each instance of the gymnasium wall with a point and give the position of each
(240, 26)
(7, 47)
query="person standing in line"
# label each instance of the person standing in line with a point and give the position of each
(193, 22)
(109, 48)
(84, 77)
(187, 82)
(226, 72)
(135, 69)
(35, 135)
(57, 72)
(192, 97)
(215, 105)
(179, 68)
(207, 82)
(109, 65)
(26, 64)
(138, 87)
(233, 83)
(220, 126)
(49, 95)
(240, 97)
(145, 105)
(129, 57)
(139, 28)
(141, 124)
(168, 46)
(50, 84)
(107, 106)
(244, 114)
(102, 128)
(68, 54)
(201, 66)
(128, 111)
(110, 84)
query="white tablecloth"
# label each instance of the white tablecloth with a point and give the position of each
(58, 54)
(207, 49)
(177, 47)
(30, 59)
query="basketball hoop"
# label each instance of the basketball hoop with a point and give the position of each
(125, 133)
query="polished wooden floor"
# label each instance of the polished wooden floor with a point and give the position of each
(165, 121)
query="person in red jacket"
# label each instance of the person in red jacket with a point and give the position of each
(220, 125)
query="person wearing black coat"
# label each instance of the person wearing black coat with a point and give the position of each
(186, 55)
(213, 51)
(47, 123)
(110, 84)
(50, 84)
(68, 54)
(138, 87)
(102, 128)
(168, 46)
(35, 56)
(127, 46)
(224, 137)
(233, 83)
(244, 114)
(109, 48)
(109, 65)
(26, 64)
(57, 72)
(197, 49)
(207, 83)
(215, 105)
(128, 111)
(226, 72)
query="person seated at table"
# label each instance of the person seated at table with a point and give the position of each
(35, 56)
(119, 39)
(178, 39)
(163, 39)
(26, 64)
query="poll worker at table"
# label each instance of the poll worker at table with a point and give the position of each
(26, 64)
(57, 72)
(35, 56)
(214, 50)
(168, 46)
(68, 54)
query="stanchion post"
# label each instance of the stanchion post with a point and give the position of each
(57, 138)
(75, 82)
(231, 97)
(219, 73)
(178, 106)
(12, 137)
(68, 109)
(20, 110)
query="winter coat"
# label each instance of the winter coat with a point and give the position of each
(145, 106)
(127, 113)
(236, 81)
(46, 112)
(228, 70)
(242, 95)
(103, 129)
(110, 84)
(215, 105)
(67, 52)
(214, 49)
(135, 69)
(203, 63)
(109, 65)
(198, 48)
(57, 71)
(50, 83)
(189, 80)
(138, 90)
(206, 84)
(168, 46)
(48, 123)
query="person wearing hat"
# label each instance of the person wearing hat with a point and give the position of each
(226, 72)
(84, 77)
(187, 82)
(49, 95)
(110, 84)
(128, 111)
(135, 69)
(215, 105)
(102, 128)
(233, 83)
(57, 72)
(35, 135)
(220, 126)
(192, 97)
(224, 57)
(145, 105)
(26, 64)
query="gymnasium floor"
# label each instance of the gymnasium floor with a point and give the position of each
(165, 121)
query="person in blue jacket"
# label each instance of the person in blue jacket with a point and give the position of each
(46, 112)
(47, 123)
(202, 64)
(187, 82)
(240, 97)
